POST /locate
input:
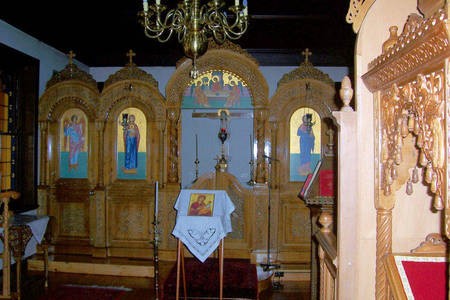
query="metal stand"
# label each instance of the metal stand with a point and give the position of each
(196, 162)
(252, 181)
(269, 266)
(155, 256)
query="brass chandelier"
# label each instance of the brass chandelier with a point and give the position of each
(194, 22)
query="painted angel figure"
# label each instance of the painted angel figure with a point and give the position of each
(74, 133)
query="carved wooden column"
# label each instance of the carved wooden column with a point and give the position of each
(260, 119)
(161, 131)
(100, 127)
(274, 144)
(384, 246)
(173, 117)
(43, 129)
(42, 197)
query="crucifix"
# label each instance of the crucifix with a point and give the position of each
(306, 54)
(71, 56)
(130, 55)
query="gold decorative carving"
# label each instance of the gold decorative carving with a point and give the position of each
(306, 70)
(357, 12)
(55, 101)
(260, 121)
(434, 243)
(429, 7)
(411, 81)
(416, 107)
(131, 72)
(228, 57)
(72, 72)
(422, 42)
(173, 117)
(392, 40)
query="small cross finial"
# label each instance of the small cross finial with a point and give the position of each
(71, 56)
(130, 55)
(306, 54)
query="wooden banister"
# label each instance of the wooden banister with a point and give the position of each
(327, 253)
(5, 198)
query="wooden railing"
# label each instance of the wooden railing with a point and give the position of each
(327, 253)
(6, 254)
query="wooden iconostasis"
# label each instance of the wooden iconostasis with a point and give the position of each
(102, 153)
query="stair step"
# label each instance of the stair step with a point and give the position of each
(88, 265)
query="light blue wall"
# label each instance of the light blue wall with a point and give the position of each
(238, 146)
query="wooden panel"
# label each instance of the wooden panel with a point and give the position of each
(130, 210)
(296, 228)
(70, 207)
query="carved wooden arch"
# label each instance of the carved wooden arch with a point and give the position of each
(132, 87)
(290, 96)
(293, 95)
(61, 96)
(142, 95)
(229, 57)
(410, 85)
(58, 97)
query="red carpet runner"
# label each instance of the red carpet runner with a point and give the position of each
(202, 280)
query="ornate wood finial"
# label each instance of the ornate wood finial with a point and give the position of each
(71, 56)
(130, 55)
(306, 54)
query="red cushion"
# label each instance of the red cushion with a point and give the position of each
(423, 277)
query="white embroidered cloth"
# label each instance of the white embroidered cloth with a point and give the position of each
(202, 234)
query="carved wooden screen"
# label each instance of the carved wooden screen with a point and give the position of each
(68, 157)
(409, 81)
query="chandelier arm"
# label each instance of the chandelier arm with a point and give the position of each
(160, 29)
(218, 21)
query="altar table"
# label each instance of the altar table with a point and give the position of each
(201, 225)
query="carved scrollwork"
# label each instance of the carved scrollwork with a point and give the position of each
(173, 116)
(422, 41)
(306, 70)
(131, 72)
(417, 107)
(357, 11)
(71, 72)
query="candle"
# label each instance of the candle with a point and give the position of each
(251, 147)
(196, 147)
(236, 2)
(145, 4)
(156, 201)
